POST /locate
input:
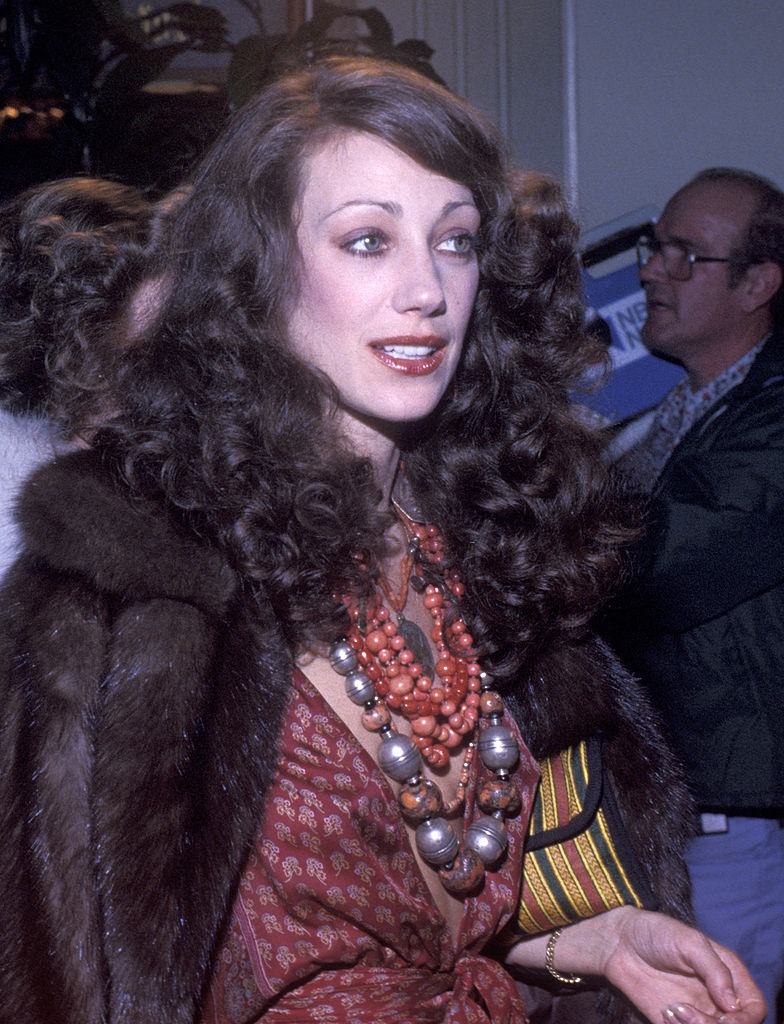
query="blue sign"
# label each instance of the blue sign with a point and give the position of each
(638, 380)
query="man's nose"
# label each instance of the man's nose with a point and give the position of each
(653, 270)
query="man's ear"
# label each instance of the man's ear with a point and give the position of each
(760, 283)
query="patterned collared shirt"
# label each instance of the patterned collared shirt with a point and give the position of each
(676, 414)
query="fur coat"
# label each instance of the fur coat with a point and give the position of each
(142, 695)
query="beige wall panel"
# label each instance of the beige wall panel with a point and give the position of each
(503, 55)
(535, 84)
(666, 88)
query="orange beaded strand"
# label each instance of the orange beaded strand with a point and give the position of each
(442, 709)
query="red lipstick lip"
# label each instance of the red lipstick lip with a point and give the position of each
(419, 367)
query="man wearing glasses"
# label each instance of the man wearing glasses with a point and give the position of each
(702, 621)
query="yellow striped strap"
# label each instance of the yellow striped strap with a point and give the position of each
(578, 859)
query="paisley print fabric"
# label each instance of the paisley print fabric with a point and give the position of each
(675, 415)
(333, 922)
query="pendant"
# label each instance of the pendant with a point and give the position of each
(416, 642)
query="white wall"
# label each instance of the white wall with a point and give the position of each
(667, 87)
(502, 55)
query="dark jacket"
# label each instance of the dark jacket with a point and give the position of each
(142, 694)
(702, 622)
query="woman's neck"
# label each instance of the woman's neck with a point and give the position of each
(380, 446)
(386, 471)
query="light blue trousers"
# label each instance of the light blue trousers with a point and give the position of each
(738, 891)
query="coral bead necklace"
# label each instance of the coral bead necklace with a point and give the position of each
(387, 666)
(439, 699)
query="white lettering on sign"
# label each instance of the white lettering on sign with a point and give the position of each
(626, 317)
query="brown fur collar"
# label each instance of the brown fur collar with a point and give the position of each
(76, 518)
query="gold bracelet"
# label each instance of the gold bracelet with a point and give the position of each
(549, 957)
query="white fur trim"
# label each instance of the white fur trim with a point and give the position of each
(26, 442)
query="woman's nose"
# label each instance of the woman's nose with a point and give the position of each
(420, 288)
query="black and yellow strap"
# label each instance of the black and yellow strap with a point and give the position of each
(578, 859)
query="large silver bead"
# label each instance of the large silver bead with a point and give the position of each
(497, 747)
(359, 688)
(342, 657)
(399, 758)
(487, 838)
(436, 841)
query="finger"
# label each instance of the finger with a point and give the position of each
(752, 1012)
(686, 1013)
(744, 995)
(714, 964)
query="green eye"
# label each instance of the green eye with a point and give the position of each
(366, 245)
(461, 245)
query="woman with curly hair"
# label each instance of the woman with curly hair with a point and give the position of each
(285, 644)
(60, 273)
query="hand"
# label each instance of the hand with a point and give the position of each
(673, 973)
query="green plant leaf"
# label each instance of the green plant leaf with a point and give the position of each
(416, 48)
(320, 24)
(130, 74)
(110, 10)
(20, 31)
(249, 67)
(379, 28)
(70, 33)
(204, 27)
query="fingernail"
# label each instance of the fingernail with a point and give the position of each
(730, 999)
(680, 1012)
(668, 1016)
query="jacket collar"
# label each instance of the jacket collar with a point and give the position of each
(766, 369)
(79, 518)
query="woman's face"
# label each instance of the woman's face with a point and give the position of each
(389, 279)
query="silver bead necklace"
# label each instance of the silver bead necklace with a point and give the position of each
(461, 867)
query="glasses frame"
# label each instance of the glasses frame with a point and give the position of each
(648, 246)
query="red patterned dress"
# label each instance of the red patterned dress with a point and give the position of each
(333, 922)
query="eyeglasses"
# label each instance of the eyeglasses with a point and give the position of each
(678, 258)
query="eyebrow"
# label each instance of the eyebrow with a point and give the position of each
(395, 209)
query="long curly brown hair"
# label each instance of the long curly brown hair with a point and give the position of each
(222, 419)
(63, 271)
